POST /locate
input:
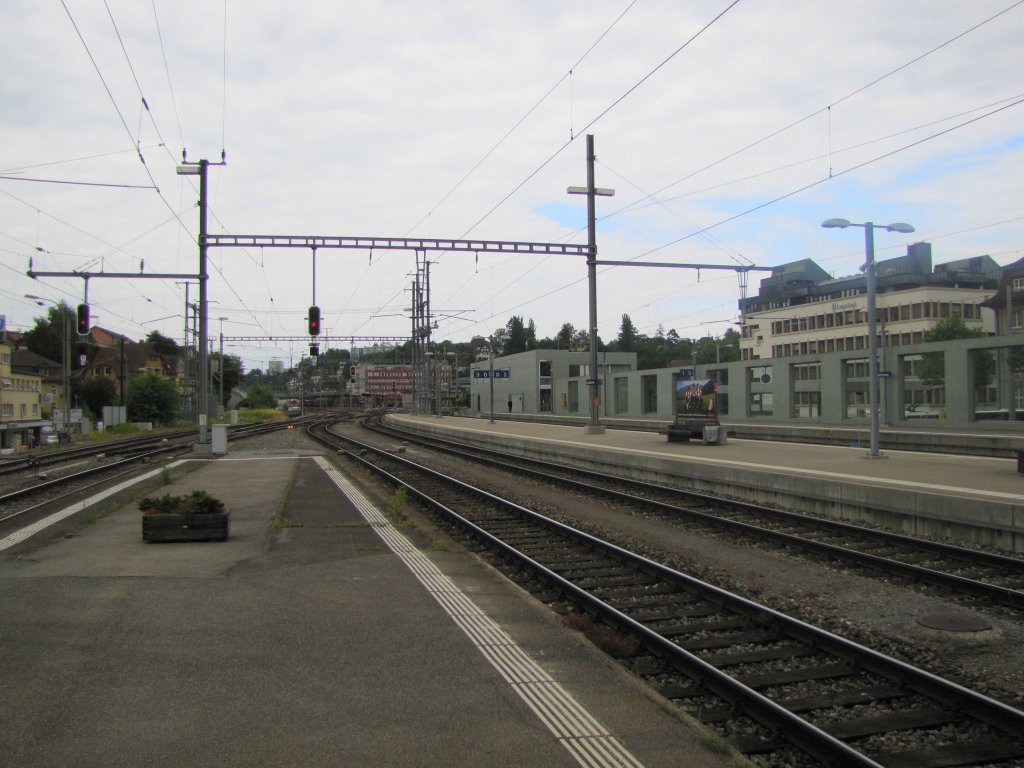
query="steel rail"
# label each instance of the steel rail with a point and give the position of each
(805, 735)
(1013, 598)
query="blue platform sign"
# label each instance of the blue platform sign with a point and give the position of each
(499, 373)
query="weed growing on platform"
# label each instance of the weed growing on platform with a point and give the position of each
(165, 475)
(398, 503)
(280, 521)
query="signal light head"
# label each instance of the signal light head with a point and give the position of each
(314, 321)
(83, 320)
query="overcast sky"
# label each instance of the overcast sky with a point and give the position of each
(728, 131)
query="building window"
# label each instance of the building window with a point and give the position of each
(721, 375)
(806, 372)
(648, 394)
(1018, 284)
(1015, 318)
(622, 395)
(807, 405)
(761, 403)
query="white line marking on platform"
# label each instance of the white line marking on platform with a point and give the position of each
(31, 530)
(575, 728)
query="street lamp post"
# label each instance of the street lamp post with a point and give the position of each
(869, 275)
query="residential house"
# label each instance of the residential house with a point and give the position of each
(20, 412)
(25, 361)
(117, 357)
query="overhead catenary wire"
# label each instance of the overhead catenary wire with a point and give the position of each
(520, 121)
(838, 101)
(851, 94)
(593, 121)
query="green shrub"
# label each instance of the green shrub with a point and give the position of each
(196, 503)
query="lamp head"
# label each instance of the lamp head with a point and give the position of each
(900, 227)
(835, 223)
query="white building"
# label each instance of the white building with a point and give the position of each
(802, 310)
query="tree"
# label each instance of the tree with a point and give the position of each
(96, 393)
(627, 335)
(933, 364)
(531, 334)
(565, 336)
(517, 338)
(151, 397)
(232, 373)
(163, 345)
(260, 396)
(952, 327)
(47, 335)
(726, 349)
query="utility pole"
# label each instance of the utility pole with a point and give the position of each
(595, 427)
(192, 169)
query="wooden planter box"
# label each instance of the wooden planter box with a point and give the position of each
(185, 527)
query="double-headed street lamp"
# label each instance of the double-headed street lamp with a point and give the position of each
(869, 273)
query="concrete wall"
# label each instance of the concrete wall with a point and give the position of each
(919, 513)
(743, 380)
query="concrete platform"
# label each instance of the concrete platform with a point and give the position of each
(329, 638)
(973, 498)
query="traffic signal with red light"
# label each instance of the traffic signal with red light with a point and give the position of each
(314, 321)
(83, 319)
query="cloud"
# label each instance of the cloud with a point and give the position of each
(369, 119)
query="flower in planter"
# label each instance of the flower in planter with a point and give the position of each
(196, 503)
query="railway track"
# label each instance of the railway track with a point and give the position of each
(971, 573)
(780, 690)
(39, 490)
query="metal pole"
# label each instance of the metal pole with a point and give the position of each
(595, 425)
(869, 273)
(204, 356)
(220, 366)
(66, 345)
(491, 378)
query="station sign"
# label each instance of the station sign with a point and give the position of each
(499, 373)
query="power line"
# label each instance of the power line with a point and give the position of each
(601, 114)
(78, 183)
(519, 122)
(829, 178)
(838, 101)
(167, 70)
(764, 205)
